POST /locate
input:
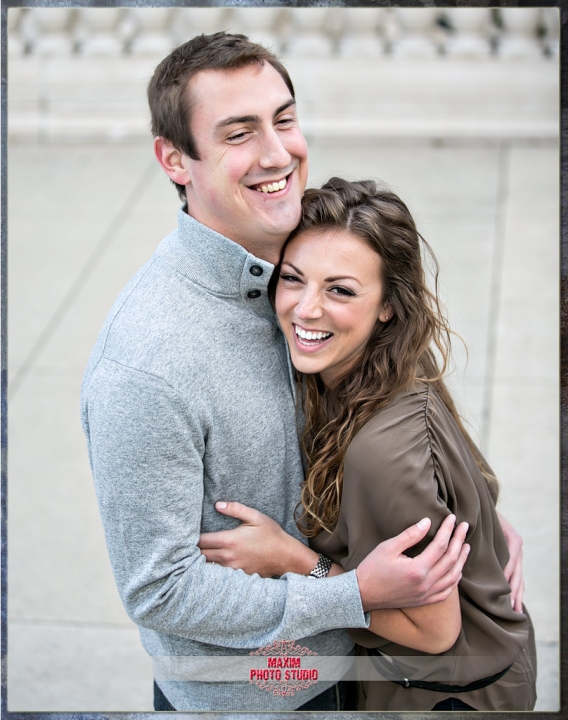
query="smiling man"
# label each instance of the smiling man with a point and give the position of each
(188, 398)
(251, 170)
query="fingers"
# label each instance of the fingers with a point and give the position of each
(210, 555)
(518, 598)
(439, 545)
(219, 557)
(515, 557)
(237, 510)
(509, 568)
(409, 537)
(517, 585)
(212, 540)
(447, 581)
(443, 595)
(456, 544)
(513, 570)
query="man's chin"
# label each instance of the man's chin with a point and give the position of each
(283, 224)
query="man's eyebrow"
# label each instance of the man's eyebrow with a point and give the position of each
(285, 106)
(237, 119)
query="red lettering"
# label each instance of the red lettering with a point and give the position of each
(285, 662)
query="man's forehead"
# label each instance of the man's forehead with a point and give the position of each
(242, 88)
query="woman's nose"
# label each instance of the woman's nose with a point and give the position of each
(309, 306)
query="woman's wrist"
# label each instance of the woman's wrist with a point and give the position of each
(298, 558)
(301, 559)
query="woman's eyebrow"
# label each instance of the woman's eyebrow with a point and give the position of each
(327, 279)
(342, 277)
(287, 262)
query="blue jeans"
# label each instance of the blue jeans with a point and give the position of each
(161, 702)
(342, 696)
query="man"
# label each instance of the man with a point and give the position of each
(188, 396)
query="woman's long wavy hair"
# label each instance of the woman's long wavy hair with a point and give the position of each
(413, 344)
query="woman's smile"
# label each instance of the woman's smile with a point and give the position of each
(328, 300)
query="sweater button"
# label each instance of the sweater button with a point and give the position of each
(253, 294)
(256, 270)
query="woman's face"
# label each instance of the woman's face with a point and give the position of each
(328, 299)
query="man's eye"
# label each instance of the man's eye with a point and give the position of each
(237, 136)
(285, 121)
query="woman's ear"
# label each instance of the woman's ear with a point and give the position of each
(386, 313)
(172, 161)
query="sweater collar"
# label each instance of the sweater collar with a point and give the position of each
(217, 264)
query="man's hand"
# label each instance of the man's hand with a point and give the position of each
(389, 579)
(514, 568)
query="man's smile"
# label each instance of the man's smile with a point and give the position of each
(273, 185)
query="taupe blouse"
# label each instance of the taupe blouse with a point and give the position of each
(408, 462)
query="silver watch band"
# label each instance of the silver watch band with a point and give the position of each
(322, 567)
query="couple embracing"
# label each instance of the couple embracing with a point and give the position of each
(275, 453)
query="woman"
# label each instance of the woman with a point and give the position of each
(386, 447)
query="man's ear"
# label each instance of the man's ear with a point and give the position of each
(171, 159)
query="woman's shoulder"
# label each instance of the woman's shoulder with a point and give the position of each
(396, 437)
(408, 411)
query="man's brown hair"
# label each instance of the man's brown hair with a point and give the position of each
(168, 92)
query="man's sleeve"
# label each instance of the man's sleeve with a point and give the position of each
(146, 450)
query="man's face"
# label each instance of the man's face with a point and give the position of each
(253, 166)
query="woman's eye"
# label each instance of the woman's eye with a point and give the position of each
(289, 278)
(344, 292)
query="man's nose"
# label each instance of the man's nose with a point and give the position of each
(273, 151)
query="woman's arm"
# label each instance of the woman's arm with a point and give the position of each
(430, 628)
(258, 545)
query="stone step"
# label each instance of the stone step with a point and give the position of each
(104, 98)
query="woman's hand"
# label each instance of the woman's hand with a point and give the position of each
(258, 545)
(514, 568)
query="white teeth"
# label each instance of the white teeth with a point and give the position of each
(308, 335)
(272, 187)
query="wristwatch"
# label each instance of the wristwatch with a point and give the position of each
(322, 567)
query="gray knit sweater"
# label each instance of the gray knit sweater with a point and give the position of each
(187, 400)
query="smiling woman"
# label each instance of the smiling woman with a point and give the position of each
(385, 447)
(472, 145)
(328, 317)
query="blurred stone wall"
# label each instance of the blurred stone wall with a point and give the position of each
(81, 73)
